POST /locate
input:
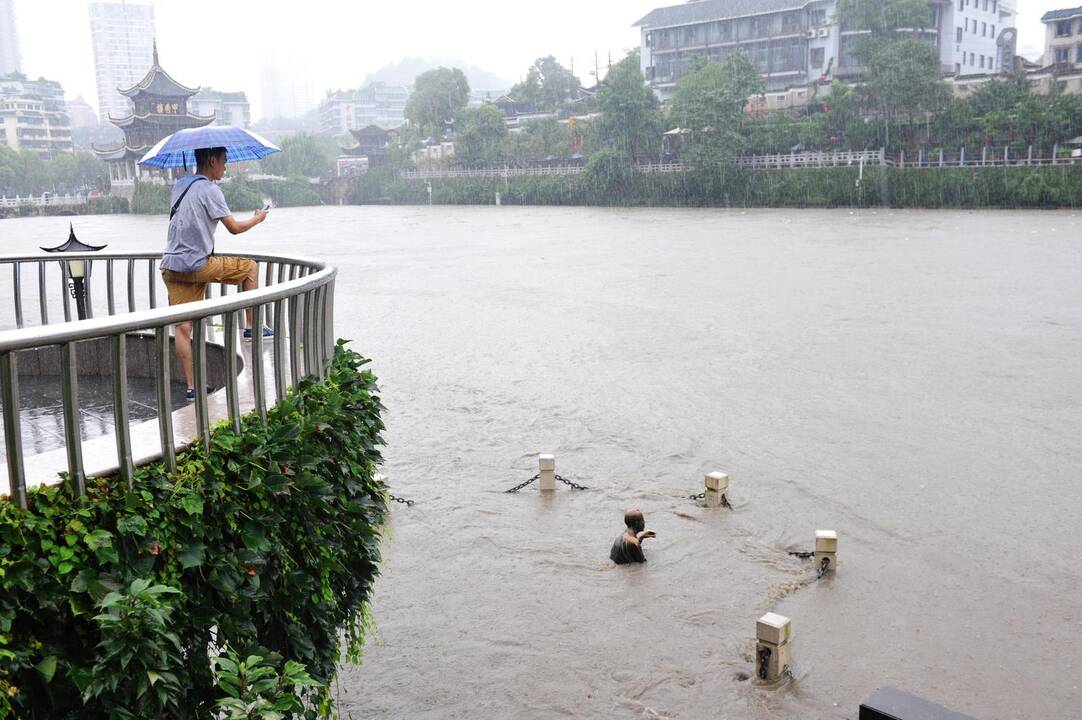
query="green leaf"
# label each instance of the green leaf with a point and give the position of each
(47, 668)
(192, 555)
(131, 525)
(192, 504)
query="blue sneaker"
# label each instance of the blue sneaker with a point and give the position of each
(267, 333)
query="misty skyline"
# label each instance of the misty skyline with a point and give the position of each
(338, 44)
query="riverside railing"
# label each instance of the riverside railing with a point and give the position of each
(296, 301)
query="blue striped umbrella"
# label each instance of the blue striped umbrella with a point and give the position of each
(178, 150)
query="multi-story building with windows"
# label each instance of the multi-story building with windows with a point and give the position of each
(1062, 36)
(122, 36)
(375, 104)
(228, 108)
(10, 60)
(797, 42)
(34, 116)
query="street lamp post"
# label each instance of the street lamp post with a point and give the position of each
(76, 269)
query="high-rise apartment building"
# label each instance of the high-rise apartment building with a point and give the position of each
(287, 90)
(34, 116)
(122, 36)
(10, 61)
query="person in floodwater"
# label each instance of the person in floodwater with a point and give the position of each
(628, 547)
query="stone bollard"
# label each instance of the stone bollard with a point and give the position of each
(826, 551)
(773, 657)
(717, 485)
(547, 466)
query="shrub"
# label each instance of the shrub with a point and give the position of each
(150, 199)
(272, 537)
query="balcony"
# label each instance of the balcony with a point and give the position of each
(126, 341)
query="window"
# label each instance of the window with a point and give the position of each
(972, 59)
(1063, 28)
(1062, 54)
(1078, 54)
(957, 68)
(984, 29)
(958, 35)
(993, 5)
(818, 56)
(993, 31)
(961, 3)
(982, 62)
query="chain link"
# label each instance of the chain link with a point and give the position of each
(802, 555)
(407, 503)
(518, 487)
(700, 496)
(570, 484)
(764, 662)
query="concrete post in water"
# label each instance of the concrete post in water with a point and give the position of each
(547, 466)
(826, 551)
(773, 656)
(717, 485)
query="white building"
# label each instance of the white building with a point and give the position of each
(375, 104)
(34, 116)
(228, 108)
(287, 90)
(122, 37)
(10, 61)
(1062, 36)
(799, 42)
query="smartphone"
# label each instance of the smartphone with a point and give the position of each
(266, 206)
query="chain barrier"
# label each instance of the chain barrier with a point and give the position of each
(702, 496)
(802, 555)
(573, 486)
(518, 487)
(407, 503)
(764, 662)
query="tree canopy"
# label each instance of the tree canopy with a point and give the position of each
(479, 133)
(437, 97)
(548, 84)
(630, 117)
(709, 105)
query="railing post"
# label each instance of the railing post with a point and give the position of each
(199, 366)
(43, 298)
(120, 409)
(259, 394)
(73, 438)
(17, 289)
(232, 401)
(165, 402)
(13, 441)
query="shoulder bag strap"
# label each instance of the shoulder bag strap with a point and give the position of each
(181, 198)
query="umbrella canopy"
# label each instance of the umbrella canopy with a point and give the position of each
(178, 150)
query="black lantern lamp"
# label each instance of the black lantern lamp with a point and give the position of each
(77, 270)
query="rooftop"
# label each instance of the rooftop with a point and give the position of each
(706, 10)
(1063, 14)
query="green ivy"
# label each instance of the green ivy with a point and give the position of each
(112, 605)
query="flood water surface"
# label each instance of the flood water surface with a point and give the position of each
(908, 379)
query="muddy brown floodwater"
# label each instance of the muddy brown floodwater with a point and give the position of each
(909, 379)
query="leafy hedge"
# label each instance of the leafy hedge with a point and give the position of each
(1013, 187)
(107, 603)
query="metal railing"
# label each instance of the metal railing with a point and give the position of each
(296, 300)
(44, 200)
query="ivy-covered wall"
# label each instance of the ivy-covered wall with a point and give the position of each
(107, 603)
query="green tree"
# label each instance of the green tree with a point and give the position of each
(710, 104)
(630, 121)
(303, 155)
(548, 84)
(479, 134)
(438, 95)
(884, 17)
(903, 79)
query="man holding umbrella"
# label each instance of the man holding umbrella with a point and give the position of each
(198, 205)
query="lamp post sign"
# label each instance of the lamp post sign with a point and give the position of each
(77, 270)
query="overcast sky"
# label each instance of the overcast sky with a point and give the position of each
(222, 43)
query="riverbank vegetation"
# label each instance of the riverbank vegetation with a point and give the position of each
(23, 173)
(254, 561)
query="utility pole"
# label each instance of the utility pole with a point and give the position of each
(597, 76)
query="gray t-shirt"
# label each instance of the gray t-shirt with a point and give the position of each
(191, 231)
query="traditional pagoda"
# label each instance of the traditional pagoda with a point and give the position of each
(160, 108)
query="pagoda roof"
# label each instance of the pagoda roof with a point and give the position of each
(163, 119)
(158, 82)
(120, 152)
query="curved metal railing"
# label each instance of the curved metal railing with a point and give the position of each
(296, 300)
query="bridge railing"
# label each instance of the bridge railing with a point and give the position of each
(296, 301)
(43, 200)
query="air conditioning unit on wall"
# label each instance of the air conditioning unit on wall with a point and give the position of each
(824, 32)
(810, 34)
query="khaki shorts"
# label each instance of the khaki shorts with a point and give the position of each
(185, 287)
